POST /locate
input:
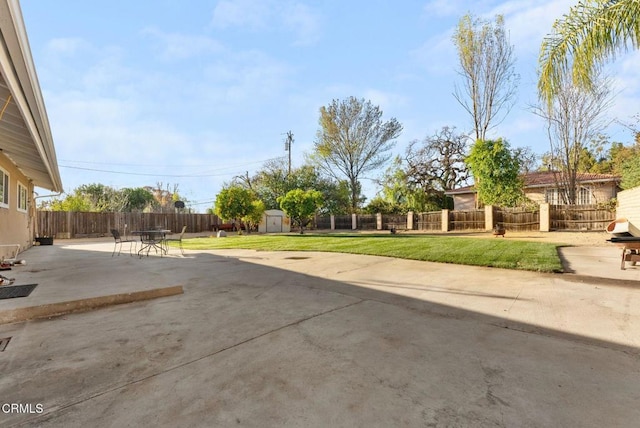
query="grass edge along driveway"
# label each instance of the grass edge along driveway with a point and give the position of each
(499, 253)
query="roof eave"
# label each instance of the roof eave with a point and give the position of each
(18, 71)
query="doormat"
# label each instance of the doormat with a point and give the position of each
(12, 291)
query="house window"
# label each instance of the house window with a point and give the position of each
(22, 198)
(583, 196)
(4, 189)
(552, 196)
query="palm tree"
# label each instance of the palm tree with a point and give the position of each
(592, 32)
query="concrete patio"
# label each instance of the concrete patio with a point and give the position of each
(318, 339)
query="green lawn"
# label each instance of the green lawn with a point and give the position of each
(501, 253)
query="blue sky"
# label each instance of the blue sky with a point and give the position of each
(196, 92)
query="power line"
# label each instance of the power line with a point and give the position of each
(164, 166)
(203, 174)
(146, 174)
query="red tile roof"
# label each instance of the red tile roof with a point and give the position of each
(546, 179)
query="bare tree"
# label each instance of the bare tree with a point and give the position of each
(164, 196)
(437, 163)
(487, 69)
(574, 118)
(353, 140)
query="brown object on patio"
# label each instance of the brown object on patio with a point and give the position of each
(119, 241)
(630, 249)
(622, 227)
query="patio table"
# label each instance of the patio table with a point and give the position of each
(152, 238)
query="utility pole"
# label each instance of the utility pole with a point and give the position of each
(287, 148)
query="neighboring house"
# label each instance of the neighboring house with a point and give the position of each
(542, 187)
(27, 154)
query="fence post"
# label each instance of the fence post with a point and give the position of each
(333, 222)
(545, 217)
(354, 221)
(410, 220)
(488, 217)
(71, 234)
(378, 221)
(445, 220)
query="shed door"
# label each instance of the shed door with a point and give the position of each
(274, 224)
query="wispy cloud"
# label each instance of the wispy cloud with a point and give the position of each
(245, 77)
(251, 14)
(626, 86)
(528, 21)
(296, 18)
(443, 8)
(437, 54)
(66, 46)
(387, 101)
(176, 46)
(303, 22)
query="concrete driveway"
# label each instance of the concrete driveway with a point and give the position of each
(312, 339)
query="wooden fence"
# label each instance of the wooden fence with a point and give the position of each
(394, 221)
(322, 222)
(343, 222)
(466, 220)
(367, 222)
(64, 224)
(428, 221)
(580, 217)
(517, 219)
(561, 217)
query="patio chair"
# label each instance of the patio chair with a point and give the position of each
(119, 241)
(178, 239)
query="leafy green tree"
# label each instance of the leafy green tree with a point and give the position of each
(620, 154)
(400, 193)
(234, 202)
(254, 217)
(300, 205)
(74, 202)
(352, 141)
(102, 198)
(630, 173)
(136, 199)
(592, 32)
(380, 205)
(274, 180)
(495, 170)
(487, 67)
